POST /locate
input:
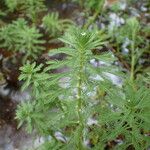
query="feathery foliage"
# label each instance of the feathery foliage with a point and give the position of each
(75, 103)
(20, 37)
(64, 97)
(90, 4)
(128, 116)
(54, 25)
(131, 32)
(32, 8)
(11, 4)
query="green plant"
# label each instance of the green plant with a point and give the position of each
(30, 74)
(11, 5)
(54, 25)
(8, 6)
(94, 4)
(6, 36)
(73, 95)
(131, 32)
(32, 8)
(128, 117)
(30, 113)
(63, 97)
(97, 6)
(20, 37)
(91, 6)
(62, 102)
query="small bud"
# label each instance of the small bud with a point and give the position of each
(78, 121)
(78, 96)
(80, 110)
(83, 33)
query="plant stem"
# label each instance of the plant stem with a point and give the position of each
(25, 58)
(81, 3)
(132, 59)
(79, 105)
(132, 68)
(92, 19)
(97, 12)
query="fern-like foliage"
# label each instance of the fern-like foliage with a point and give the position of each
(11, 5)
(32, 8)
(20, 37)
(128, 117)
(133, 27)
(91, 4)
(30, 113)
(6, 37)
(62, 101)
(31, 74)
(131, 32)
(54, 25)
(63, 97)
(94, 4)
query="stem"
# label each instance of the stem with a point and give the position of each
(81, 3)
(79, 105)
(120, 58)
(132, 69)
(132, 59)
(25, 58)
(94, 17)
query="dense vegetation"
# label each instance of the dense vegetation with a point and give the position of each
(71, 85)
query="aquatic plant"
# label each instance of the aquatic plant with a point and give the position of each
(129, 34)
(91, 6)
(21, 38)
(75, 95)
(128, 117)
(55, 26)
(70, 98)
(11, 4)
(32, 8)
(62, 101)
